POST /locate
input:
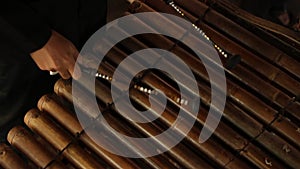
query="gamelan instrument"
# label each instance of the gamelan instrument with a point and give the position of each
(260, 125)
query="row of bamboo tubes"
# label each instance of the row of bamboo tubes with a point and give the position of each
(259, 128)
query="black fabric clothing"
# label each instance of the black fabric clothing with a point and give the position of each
(25, 26)
(22, 27)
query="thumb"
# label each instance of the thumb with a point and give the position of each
(76, 74)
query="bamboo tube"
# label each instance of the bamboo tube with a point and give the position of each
(62, 91)
(191, 61)
(228, 62)
(284, 37)
(188, 162)
(260, 66)
(243, 97)
(265, 89)
(198, 12)
(158, 161)
(212, 34)
(260, 158)
(168, 11)
(257, 107)
(210, 148)
(9, 159)
(153, 162)
(20, 138)
(293, 130)
(258, 130)
(271, 116)
(242, 120)
(39, 123)
(293, 109)
(250, 79)
(180, 153)
(118, 56)
(50, 104)
(245, 111)
(64, 88)
(243, 36)
(280, 148)
(275, 28)
(287, 128)
(61, 140)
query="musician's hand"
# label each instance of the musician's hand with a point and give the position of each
(284, 18)
(58, 54)
(296, 26)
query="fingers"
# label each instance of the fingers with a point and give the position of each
(73, 69)
(76, 53)
(77, 72)
(58, 54)
(65, 74)
(297, 27)
(68, 69)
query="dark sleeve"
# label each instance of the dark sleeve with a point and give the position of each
(22, 26)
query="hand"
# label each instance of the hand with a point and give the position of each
(58, 54)
(296, 26)
(284, 18)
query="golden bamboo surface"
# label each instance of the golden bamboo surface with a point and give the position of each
(260, 127)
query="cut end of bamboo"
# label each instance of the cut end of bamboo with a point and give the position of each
(31, 114)
(58, 85)
(16, 131)
(44, 99)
